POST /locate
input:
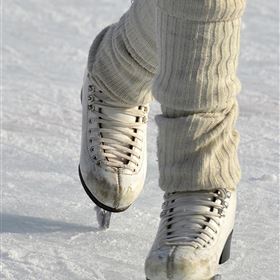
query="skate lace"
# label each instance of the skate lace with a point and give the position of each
(192, 218)
(120, 130)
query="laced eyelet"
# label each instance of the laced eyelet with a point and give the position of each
(90, 87)
(99, 119)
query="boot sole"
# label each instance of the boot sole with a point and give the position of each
(95, 200)
(224, 256)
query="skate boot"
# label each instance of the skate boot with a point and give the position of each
(194, 236)
(113, 158)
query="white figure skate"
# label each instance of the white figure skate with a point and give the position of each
(113, 159)
(194, 236)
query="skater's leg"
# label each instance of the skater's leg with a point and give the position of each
(196, 84)
(122, 58)
(115, 97)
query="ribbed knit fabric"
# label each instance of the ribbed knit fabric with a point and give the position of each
(196, 83)
(122, 58)
(187, 50)
(198, 151)
(198, 48)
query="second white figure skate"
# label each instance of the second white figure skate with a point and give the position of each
(113, 159)
(194, 236)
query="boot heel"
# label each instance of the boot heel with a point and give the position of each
(226, 252)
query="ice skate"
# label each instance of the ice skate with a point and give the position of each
(194, 236)
(113, 152)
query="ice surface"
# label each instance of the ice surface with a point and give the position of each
(49, 227)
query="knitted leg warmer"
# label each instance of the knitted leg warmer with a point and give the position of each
(122, 59)
(196, 83)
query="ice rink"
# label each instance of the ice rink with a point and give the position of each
(49, 229)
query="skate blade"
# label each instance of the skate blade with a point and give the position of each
(103, 217)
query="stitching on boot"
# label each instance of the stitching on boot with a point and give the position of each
(118, 191)
(170, 262)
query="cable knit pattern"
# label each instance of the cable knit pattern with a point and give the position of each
(186, 52)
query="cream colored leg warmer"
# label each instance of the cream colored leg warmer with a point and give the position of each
(196, 83)
(192, 46)
(122, 58)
